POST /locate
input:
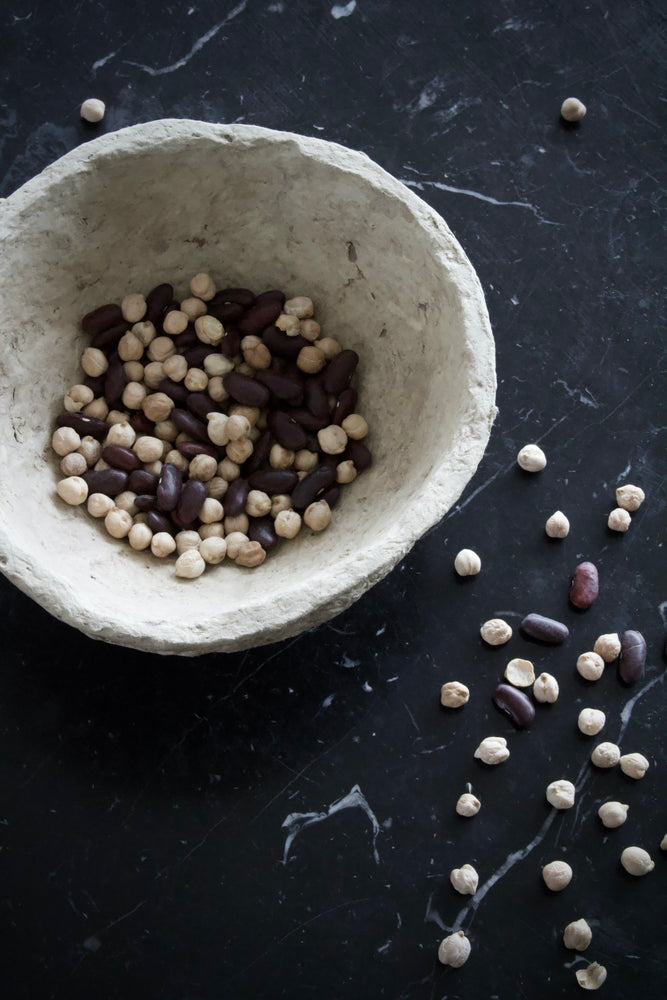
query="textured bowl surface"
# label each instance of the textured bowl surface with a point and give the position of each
(262, 209)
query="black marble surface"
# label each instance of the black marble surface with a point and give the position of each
(176, 829)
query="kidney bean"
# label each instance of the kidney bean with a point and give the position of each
(339, 371)
(175, 390)
(234, 500)
(230, 345)
(272, 481)
(259, 455)
(95, 384)
(242, 296)
(315, 399)
(585, 585)
(359, 454)
(190, 449)
(169, 487)
(121, 458)
(115, 381)
(545, 629)
(111, 482)
(633, 657)
(309, 421)
(226, 312)
(258, 317)
(101, 319)
(180, 524)
(286, 431)
(514, 703)
(159, 522)
(280, 386)
(188, 423)
(332, 496)
(345, 405)
(271, 295)
(200, 404)
(307, 488)
(196, 356)
(84, 425)
(261, 530)
(157, 301)
(245, 390)
(141, 424)
(186, 339)
(278, 365)
(191, 499)
(145, 501)
(108, 339)
(141, 481)
(281, 345)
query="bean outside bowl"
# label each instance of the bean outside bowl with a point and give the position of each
(261, 209)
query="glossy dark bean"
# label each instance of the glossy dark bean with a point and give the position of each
(107, 340)
(339, 371)
(345, 405)
(286, 431)
(514, 703)
(188, 423)
(143, 482)
(141, 424)
(633, 657)
(545, 629)
(307, 488)
(175, 391)
(234, 500)
(261, 530)
(121, 458)
(200, 404)
(281, 388)
(159, 522)
(101, 319)
(190, 449)
(111, 482)
(259, 455)
(585, 585)
(316, 399)
(245, 390)
(270, 295)
(180, 524)
(191, 499)
(273, 481)
(157, 301)
(95, 384)
(308, 420)
(187, 339)
(114, 381)
(280, 344)
(84, 425)
(359, 454)
(241, 296)
(230, 345)
(332, 496)
(312, 444)
(196, 355)
(145, 501)
(258, 317)
(278, 365)
(226, 312)
(169, 487)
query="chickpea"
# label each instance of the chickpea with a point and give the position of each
(281, 458)
(98, 408)
(332, 439)
(216, 487)
(309, 329)
(613, 814)
(577, 935)
(217, 364)
(280, 502)
(250, 554)
(149, 448)
(572, 109)
(329, 347)
(163, 544)
(166, 430)
(300, 306)
(305, 461)
(65, 440)
(467, 563)
(94, 362)
(174, 457)
(92, 110)
(239, 451)
(211, 511)
(454, 950)
(145, 331)
(134, 371)
(492, 750)
(216, 389)
(228, 470)
(468, 804)
(520, 672)
(140, 537)
(605, 755)
(133, 307)
(258, 503)
(193, 308)
(130, 348)
(465, 880)
(125, 501)
(118, 522)
(238, 523)
(591, 721)
(213, 550)
(215, 530)
(619, 520)
(454, 694)
(157, 406)
(257, 355)
(630, 497)
(557, 875)
(560, 794)
(592, 977)
(91, 449)
(73, 490)
(590, 666)
(175, 322)
(235, 539)
(317, 516)
(190, 564)
(608, 646)
(161, 348)
(202, 286)
(77, 397)
(545, 689)
(187, 539)
(73, 464)
(311, 359)
(153, 374)
(355, 426)
(289, 325)
(635, 765)
(196, 380)
(346, 472)
(175, 367)
(496, 632)
(134, 395)
(637, 861)
(531, 458)
(99, 504)
(557, 526)
(209, 329)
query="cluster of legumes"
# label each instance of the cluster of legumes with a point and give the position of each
(210, 427)
(511, 697)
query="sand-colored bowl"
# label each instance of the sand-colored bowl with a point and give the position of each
(262, 209)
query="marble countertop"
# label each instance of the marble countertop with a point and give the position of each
(280, 823)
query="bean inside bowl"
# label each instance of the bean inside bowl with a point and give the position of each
(259, 209)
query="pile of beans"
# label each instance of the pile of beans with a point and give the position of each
(210, 427)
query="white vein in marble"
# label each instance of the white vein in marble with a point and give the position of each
(355, 799)
(196, 47)
(343, 10)
(482, 197)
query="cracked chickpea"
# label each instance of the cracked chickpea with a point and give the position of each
(592, 977)
(468, 804)
(557, 875)
(520, 673)
(605, 755)
(454, 950)
(634, 765)
(453, 694)
(613, 814)
(492, 750)
(560, 794)
(465, 880)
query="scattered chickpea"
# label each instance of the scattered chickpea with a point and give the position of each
(73, 490)
(467, 563)
(235, 539)
(468, 804)
(287, 524)
(637, 861)
(317, 516)
(140, 537)
(590, 666)
(577, 935)
(545, 689)
(175, 367)
(65, 440)
(605, 755)
(557, 875)
(531, 458)
(560, 794)
(572, 109)
(630, 497)
(99, 504)
(454, 950)
(613, 814)
(300, 306)
(202, 286)
(190, 564)
(94, 362)
(619, 520)
(492, 750)
(355, 426)
(608, 646)
(635, 765)
(465, 880)
(289, 325)
(118, 522)
(557, 526)
(92, 110)
(250, 554)
(592, 977)
(591, 721)
(496, 632)
(453, 694)
(520, 672)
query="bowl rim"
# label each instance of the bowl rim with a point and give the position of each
(436, 493)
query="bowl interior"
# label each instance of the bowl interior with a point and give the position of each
(258, 209)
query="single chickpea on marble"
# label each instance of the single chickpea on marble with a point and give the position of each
(637, 861)
(531, 458)
(557, 875)
(467, 563)
(592, 977)
(454, 950)
(453, 694)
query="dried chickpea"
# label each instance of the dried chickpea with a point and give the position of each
(608, 646)
(520, 672)
(250, 554)
(130, 347)
(613, 814)
(213, 550)
(309, 329)
(572, 109)
(257, 355)
(98, 408)
(92, 110)
(174, 457)
(175, 367)
(133, 307)
(149, 448)
(166, 430)
(238, 523)
(157, 406)
(134, 395)
(193, 308)
(203, 467)
(161, 348)
(188, 539)
(216, 389)
(619, 520)
(196, 380)
(211, 511)
(289, 325)
(216, 487)
(99, 504)
(468, 804)
(239, 451)
(577, 935)
(91, 449)
(545, 689)
(332, 439)
(557, 526)
(317, 516)
(531, 458)
(215, 530)
(153, 374)
(118, 522)
(594, 975)
(560, 794)
(454, 950)
(217, 428)
(134, 371)
(355, 426)
(300, 306)
(73, 490)
(77, 397)
(65, 440)
(125, 501)
(590, 666)
(605, 755)
(557, 875)
(279, 503)
(465, 880)
(637, 861)
(281, 458)
(140, 536)
(630, 497)
(258, 503)
(329, 347)
(209, 329)
(346, 472)
(305, 461)
(162, 544)
(591, 721)
(453, 694)
(145, 331)
(94, 362)
(635, 765)
(217, 364)
(190, 565)
(467, 563)
(175, 322)
(492, 750)
(235, 539)
(311, 359)
(202, 286)
(73, 464)
(496, 632)
(238, 427)
(228, 470)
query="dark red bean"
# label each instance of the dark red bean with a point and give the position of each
(189, 424)
(180, 523)
(226, 312)
(107, 340)
(111, 482)
(339, 371)
(84, 425)
(95, 384)
(633, 657)
(585, 585)
(332, 496)
(143, 482)
(196, 356)
(273, 481)
(259, 455)
(187, 339)
(359, 454)
(175, 390)
(278, 365)
(157, 301)
(312, 444)
(345, 405)
(245, 390)
(115, 381)
(258, 317)
(241, 296)
(316, 399)
(141, 424)
(169, 487)
(514, 703)
(230, 345)
(261, 530)
(101, 319)
(234, 500)
(191, 499)
(281, 388)
(271, 295)
(190, 449)
(307, 488)
(281, 345)
(121, 458)
(286, 431)
(308, 420)
(159, 522)
(145, 501)
(545, 629)
(200, 404)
